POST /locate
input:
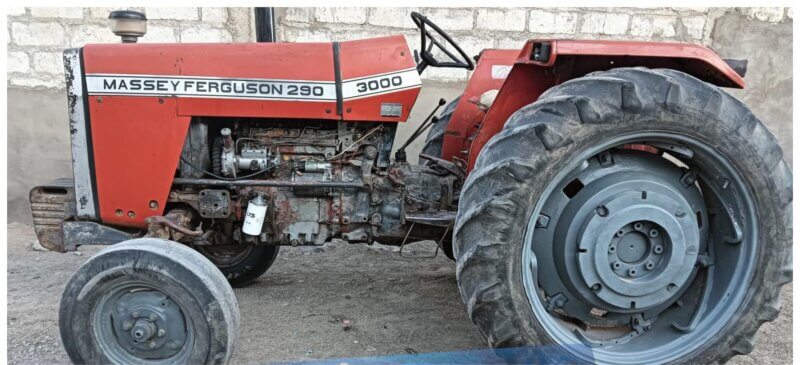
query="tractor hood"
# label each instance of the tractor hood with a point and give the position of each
(364, 80)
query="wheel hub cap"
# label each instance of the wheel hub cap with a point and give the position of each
(637, 254)
(149, 325)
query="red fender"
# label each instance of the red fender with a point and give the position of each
(566, 60)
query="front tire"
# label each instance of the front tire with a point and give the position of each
(148, 300)
(562, 172)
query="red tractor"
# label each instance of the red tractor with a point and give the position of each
(604, 199)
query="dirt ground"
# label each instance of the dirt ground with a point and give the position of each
(397, 306)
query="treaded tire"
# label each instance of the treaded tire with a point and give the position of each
(250, 267)
(176, 269)
(501, 192)
(435, 138)
(433, 147)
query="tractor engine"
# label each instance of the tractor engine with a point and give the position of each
(290, 182)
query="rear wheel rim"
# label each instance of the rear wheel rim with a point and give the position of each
(628, 264)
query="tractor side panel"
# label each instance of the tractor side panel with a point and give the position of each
(137, 144)
(494, 65)
(380, 81)
(281, 80)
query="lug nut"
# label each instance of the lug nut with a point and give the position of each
(135, 314)
(152, 344)
(620, 233)
(602, 211)
(654, 233)
(161, 333)
(127, 325)
(649, 265)
(596, 287)
(637, 226)
(152, 318)
(658, 249)
(632, 272)
(612, 248)
(616, 265)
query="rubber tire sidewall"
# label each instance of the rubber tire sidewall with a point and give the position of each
(179, 271)
(251, 267)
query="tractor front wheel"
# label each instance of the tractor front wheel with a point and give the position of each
(630, 216)
(148, 301)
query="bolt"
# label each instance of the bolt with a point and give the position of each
(602, 211)
(161, 333)
(542, 221)
(152, 318)
(127, 325)
(620, 233)
(649, 265)
(135, 314)
(152, 344)
(153, 204)
(632, 272)
(612, 248)
(596, 287)
(295, 243)
(616, 265)
(637, 226)
(654, 233)
(370, 152)
(658, 249)
(680, 213)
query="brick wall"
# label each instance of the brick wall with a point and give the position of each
(479, 28)
(38, 36)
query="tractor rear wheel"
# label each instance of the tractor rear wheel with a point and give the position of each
(241, 264)
(433, 147)
(629, 216)
(435, 138)
(152, 301)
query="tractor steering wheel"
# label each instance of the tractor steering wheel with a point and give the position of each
(426, 57)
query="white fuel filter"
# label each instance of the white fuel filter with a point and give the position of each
(254, 218)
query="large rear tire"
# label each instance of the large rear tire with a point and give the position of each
(433, 147)
(620, 157)
(435, 138)
(149, 301)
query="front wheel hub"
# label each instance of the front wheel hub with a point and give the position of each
(145, 323)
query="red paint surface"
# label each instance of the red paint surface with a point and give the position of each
(137, 143)
(467, 116)
(372, 57)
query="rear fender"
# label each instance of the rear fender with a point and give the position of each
(542, 64)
